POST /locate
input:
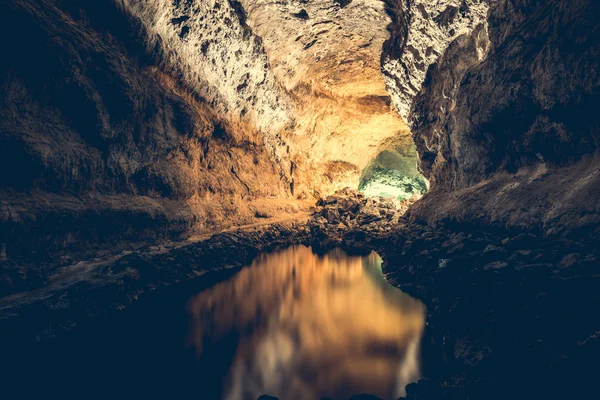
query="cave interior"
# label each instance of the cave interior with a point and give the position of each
(298, 199)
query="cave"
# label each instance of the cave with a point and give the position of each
(393, 173)
(299, 199)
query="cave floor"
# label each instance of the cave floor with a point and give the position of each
(507, 312)
(92, 269)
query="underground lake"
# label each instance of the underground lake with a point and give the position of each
(293, 324)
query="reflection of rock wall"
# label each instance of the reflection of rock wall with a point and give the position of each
(298, 335)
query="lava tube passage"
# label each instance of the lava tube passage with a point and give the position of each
(393, 173)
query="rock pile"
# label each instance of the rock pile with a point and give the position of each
(349, 209)
(347, 218)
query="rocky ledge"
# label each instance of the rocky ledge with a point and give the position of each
(79, 293)
(350, 220)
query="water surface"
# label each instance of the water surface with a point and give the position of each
(306, 326)
(293, 325)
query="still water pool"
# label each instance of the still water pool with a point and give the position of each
(294, 325)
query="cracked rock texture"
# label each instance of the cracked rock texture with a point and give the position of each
(326, 54)
(504, 121)
(101, 143)
(218, 56)
(421, 32)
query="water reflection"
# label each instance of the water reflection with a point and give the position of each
(311, 326)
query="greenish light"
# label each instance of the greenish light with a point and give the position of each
(385, 182)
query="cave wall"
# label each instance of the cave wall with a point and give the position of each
(504, 120)
(210, 46)
(420, 33)
(136, 120)
(104, 137)
(326, 55)
(133, 120)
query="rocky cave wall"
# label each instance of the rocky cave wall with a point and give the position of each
(326, 55)
(104, 135)
(305, 74)
(504, 119)
(137, 119)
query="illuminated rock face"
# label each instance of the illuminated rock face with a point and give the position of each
(500, 120)
(421, 33)
(108, 140)
(180, 113)
(297, 339)
(327, 56)
(217, 56)
(306, 75)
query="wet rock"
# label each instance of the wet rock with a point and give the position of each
(521, 241)
(495, 265)
(569, 260)
(491, 248)
(262, 214)
(470, 352)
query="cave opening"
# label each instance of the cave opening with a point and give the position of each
(393, 173)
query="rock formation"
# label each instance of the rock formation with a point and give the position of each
(327, 56)
(144, 143)
(101, 142)
(503, 121)
(154, 118)
(420, 34)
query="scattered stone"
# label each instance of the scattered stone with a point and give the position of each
(569, 260)
(490, 247)
(262, 214)
(495, 265)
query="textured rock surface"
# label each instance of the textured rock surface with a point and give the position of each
(218, 56)
(421, 32)
(327, 56)
(145, 120)
(528, 103)
(100, 142)
(352, 221)
(162, 117)
(504, 121)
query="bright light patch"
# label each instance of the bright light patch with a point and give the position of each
(392, 183)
